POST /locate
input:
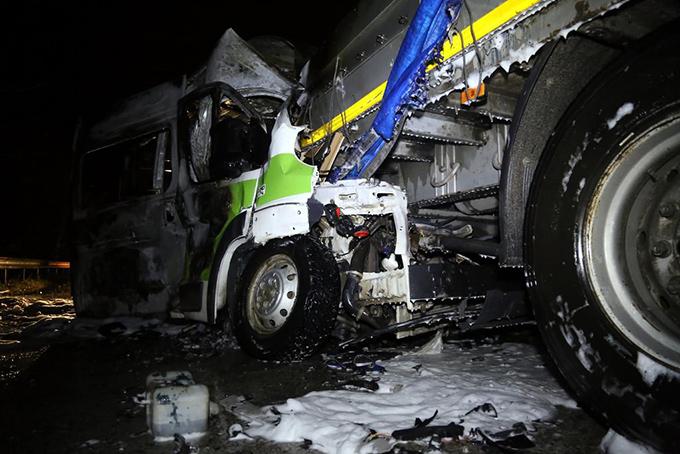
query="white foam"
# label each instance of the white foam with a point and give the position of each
(624, 110)
(613, 443)
(509, 376)
(651, 370)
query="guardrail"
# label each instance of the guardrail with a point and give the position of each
(10, 263)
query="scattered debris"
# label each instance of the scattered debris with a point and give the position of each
(89, 443)
(182, 447)
(485, 408)
(370, 385)
(247, 412)
(113, 329)
(234, 430)
(416, 433)
(423, 423)
(515, 439)
(433, 347)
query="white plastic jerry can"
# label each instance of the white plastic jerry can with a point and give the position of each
(176, 405)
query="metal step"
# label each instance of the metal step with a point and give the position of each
(435, 127)
(412, 151)
(461, 196)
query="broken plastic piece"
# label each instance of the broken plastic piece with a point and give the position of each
(335, 365)
(485, 408)
(359, 384)
(451, 430)
(512, 440)
(234, 430)
(433, 347)
(425, 422)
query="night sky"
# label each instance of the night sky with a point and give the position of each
(60, 59)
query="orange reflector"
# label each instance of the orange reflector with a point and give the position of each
(470, 95)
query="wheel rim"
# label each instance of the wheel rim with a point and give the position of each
(272, 294)
(631, 242)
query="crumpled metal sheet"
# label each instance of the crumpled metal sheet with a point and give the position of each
(236, 63)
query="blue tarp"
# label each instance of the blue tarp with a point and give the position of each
(406, 85)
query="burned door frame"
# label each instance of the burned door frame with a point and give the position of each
(211, 209)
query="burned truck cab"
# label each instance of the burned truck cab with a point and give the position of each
(155, 183)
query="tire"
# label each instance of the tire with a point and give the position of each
(603, 300)
(280, 317)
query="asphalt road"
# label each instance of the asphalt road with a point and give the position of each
(64, 390)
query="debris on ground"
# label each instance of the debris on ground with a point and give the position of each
(182, 446)
(363, 395)
(419, 432)
(433, 347)
(515, 439)
(485, 408)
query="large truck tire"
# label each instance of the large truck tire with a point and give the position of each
(288, 300)
(603, 245)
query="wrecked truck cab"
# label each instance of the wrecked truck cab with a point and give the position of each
(151, 199)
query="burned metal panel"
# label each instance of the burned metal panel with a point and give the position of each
(441, 281)
(207, 206)
(235, 62)
(125, 259)
(132, 271)
(280, 53)
(121, 280)
(134, 115)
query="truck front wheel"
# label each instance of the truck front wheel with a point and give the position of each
(603, 245)
(287, 301)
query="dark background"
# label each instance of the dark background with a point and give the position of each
(60, 59)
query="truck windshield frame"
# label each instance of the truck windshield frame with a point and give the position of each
(125, 170)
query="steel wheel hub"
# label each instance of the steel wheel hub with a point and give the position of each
(272, 294)
(631, 242)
